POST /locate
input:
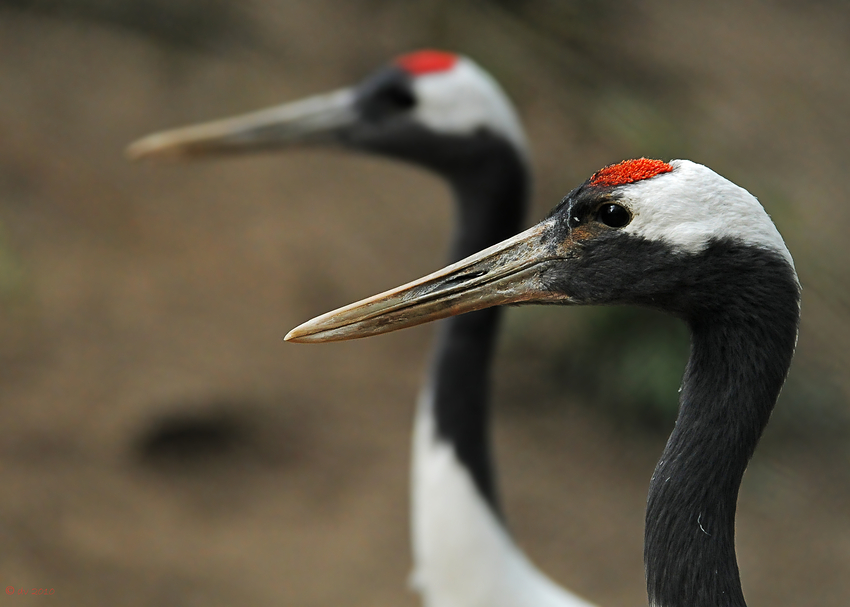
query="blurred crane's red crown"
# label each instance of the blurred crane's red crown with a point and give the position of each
(426, 62)
(629, 171)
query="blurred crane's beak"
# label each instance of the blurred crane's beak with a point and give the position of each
(313, 120)
(511, 272)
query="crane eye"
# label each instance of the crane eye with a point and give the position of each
(396, 98)
(614, 215)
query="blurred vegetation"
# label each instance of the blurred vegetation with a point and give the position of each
(186, 24)
(629, 361)
(11, 270)
(585, 33)
(627, 364)
(624, 96)
(811, 405)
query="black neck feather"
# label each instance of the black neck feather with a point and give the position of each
(491, 196)
(743, 335)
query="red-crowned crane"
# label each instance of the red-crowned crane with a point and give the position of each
(443, 112)
(673, 236)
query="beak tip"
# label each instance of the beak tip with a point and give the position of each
(134, 151)
(158, 146)
(315, 332)
(141, 149)
(298, 335)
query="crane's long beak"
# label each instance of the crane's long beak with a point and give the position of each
(510, 272)
(313, 120)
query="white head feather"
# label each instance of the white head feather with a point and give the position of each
(464, 99)
(691, 205)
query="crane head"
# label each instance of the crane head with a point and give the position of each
(673, 236)
(430, 107)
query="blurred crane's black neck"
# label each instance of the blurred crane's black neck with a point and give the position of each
(491, 193)
(742, 343)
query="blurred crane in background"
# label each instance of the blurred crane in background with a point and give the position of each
(442, 112)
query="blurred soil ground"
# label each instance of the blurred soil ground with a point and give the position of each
(161, 445)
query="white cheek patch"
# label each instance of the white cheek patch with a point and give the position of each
(693, 205)
(463, 100)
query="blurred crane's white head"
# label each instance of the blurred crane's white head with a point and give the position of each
(455, 96)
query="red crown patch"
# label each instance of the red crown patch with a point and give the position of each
(426, 62)
(629, 171)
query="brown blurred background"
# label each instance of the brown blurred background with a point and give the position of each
(161, 445)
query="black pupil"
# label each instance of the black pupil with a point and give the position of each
(614, 215)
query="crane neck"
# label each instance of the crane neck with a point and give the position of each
(741, 349)
(490, 196)
(463, 553)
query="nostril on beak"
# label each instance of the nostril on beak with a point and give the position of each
(464, 277)
(456, 281)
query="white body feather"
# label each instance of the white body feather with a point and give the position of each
(463, 555)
